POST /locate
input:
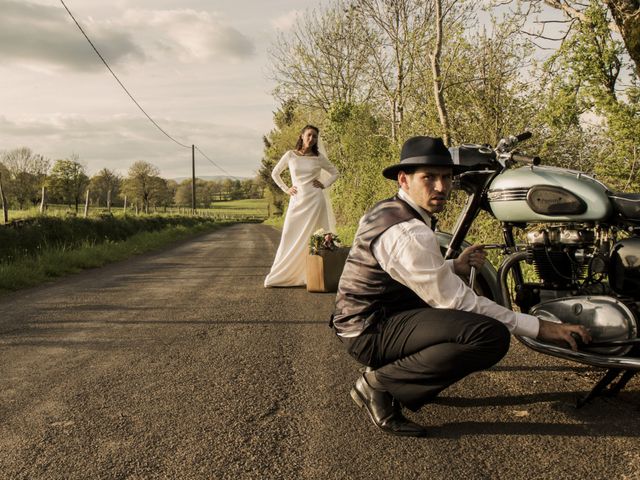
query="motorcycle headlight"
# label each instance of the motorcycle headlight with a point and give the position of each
(549, 200)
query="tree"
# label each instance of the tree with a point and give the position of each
(26, 174)
(68, 181)
(251, 188)
(232, 188)
(400, 33)
(172, 188)
(216, 190)
(488, 95)
(359, 150)
(322, 60)
(139, 186)
(182, 196)
(626, 14)
(436, 71)
(162, 195)
(259, 186)
(371, 52)
(585, 83)
(105, 186)
(204, 195)
(624, 20)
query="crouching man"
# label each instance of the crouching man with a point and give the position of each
(404, 312)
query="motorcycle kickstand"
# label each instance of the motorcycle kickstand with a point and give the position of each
(620, 384)
(599, 388)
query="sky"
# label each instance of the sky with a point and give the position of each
(199, 68)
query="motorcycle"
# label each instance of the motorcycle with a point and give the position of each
(571, 253)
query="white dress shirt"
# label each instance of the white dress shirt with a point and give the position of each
(410, 254)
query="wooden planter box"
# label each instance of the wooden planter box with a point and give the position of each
(324, 269)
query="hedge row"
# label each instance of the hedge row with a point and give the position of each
(29, 237)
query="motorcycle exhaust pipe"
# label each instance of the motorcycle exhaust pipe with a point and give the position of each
(609, 343)
(593, 359)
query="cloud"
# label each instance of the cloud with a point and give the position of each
(286, 21)
(39, 35)
(33, 33)
(190, 34)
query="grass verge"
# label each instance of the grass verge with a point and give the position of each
(275, 221)
(29, 271)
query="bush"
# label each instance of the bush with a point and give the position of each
(31, 236)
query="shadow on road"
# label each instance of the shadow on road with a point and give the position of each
(593, 429)
(506, 399)
(541, 368)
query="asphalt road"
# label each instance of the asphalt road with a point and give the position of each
(180, 364)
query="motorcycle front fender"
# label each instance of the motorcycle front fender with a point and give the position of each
(487, 276)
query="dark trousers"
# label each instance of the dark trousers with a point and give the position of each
(419, 353)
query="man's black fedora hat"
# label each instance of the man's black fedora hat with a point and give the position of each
(420, 152)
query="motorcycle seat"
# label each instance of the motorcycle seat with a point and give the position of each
(627, 205)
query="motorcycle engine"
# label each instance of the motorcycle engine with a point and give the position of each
(574, 268)
(563, 254)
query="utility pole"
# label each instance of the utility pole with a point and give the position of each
(3, 200)
(193, 179)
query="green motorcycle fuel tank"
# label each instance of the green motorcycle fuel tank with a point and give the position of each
(548, 194)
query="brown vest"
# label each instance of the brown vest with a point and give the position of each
(366, 293)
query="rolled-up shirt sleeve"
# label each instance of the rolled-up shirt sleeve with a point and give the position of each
(410, 254)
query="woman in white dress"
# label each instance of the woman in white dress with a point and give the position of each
(309, 207)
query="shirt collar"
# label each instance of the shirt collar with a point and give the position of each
(402, 195)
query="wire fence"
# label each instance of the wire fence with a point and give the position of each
(256, 210)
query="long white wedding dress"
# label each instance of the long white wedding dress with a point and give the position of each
(309, 210)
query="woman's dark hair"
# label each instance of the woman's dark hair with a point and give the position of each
(314, 149)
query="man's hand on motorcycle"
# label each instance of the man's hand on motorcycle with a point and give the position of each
(562, 332)
(473, 256)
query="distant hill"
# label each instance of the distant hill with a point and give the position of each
(217, 178)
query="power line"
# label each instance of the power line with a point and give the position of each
(118, 80)
(135, 101)
(214, 163)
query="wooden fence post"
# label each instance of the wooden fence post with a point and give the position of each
(42, 200)
(86, 204)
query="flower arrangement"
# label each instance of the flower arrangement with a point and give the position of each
(322, 240)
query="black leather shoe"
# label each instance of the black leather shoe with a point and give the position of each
(386, 415)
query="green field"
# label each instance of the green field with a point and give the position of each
(247, 207)
(250, 209)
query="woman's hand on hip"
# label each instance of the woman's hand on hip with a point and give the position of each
(292, 191)
(316, 183)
